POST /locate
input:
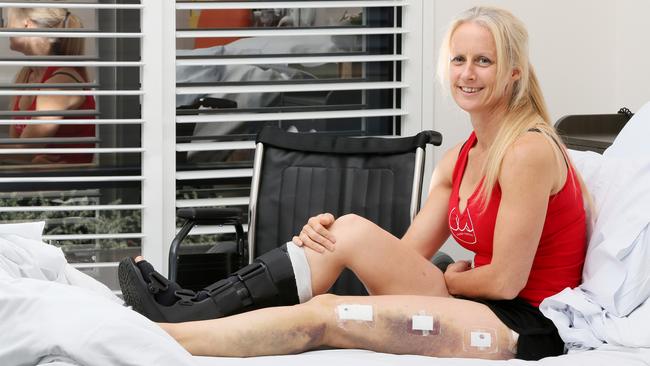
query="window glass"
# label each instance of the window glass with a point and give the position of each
(74, 160)
(313, 70)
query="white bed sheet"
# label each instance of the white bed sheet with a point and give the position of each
(601, 357)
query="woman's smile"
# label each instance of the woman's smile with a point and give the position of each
(468, 90)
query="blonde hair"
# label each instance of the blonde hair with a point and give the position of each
(51, 18)
(526, 108)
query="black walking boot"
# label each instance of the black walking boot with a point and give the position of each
(268, 281)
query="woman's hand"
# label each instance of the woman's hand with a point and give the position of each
(47, 159)
(315, 234)
(455, 268)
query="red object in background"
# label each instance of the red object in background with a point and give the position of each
(82, 130)
(221, 18)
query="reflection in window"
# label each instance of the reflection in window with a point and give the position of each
(48, 134)
(237, 71)
(89, 196)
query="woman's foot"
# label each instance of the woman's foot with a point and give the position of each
(269, 281)
(140, 284)
(164, 290)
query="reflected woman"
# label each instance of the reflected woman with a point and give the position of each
(48, 18)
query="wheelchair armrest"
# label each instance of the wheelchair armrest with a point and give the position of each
(210, 102)
(205, 216)
(210, 216)
(434, 137)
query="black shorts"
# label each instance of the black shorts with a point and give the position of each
(538, 336)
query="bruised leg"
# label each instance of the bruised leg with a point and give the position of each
(269, 331)
(420, 325)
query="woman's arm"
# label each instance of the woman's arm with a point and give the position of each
(48, 103)
(430, 229)
(43, 130)
(530, 173)
(53, 103)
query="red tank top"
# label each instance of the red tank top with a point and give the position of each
(561, 251)
(64, 130)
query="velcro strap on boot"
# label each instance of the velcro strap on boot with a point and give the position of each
(157, 283)
(269, 281)
(258, 281)
(278, 264)
(230, 295)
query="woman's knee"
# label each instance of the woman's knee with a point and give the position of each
(323, 301)
(353, 232)
(321, 309)
(348, 220)
(351, 225)
(322, 305)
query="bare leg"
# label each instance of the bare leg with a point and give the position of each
(384, 264)
(294, 329)
(381, 261)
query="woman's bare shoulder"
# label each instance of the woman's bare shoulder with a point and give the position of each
(65, 75)
(531, 147)
(531, 156)
(445, 167)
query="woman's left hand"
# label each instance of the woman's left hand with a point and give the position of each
(457, 267)
(46, 159)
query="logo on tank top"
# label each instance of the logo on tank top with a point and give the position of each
(462, 227)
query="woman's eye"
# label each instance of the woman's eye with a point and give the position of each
(457, 59)
(484, 61)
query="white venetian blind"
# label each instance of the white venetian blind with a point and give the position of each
(86, 186)
(329, 67)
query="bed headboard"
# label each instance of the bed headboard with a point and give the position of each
(593, 132)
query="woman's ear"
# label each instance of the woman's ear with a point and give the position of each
(28, 23)
(516, 74)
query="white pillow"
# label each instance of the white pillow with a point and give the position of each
(51, 312)
(24, 255)
(616, 275)
(43, 320)
(30, 230)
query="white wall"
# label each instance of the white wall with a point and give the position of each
(591, 56)
(632, 57)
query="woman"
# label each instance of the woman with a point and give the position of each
(509, 193)
(30, 18)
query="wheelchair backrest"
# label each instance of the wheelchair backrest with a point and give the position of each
(299, 175)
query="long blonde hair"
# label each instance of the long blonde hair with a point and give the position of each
(526, 108)
(51, 18)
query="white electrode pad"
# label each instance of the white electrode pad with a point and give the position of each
(480, 339)
(422, 322)
(354, 312)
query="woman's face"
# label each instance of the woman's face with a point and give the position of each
(472, 69)
(12, 20)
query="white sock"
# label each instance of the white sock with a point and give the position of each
(301, 271)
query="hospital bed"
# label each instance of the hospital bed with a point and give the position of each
(581, 133)
(53, 314)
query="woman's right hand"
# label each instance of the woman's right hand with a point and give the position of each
(315, 234)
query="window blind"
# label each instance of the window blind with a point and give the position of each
(328, 67)
(92, 206)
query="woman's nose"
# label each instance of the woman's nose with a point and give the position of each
(468, 72)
